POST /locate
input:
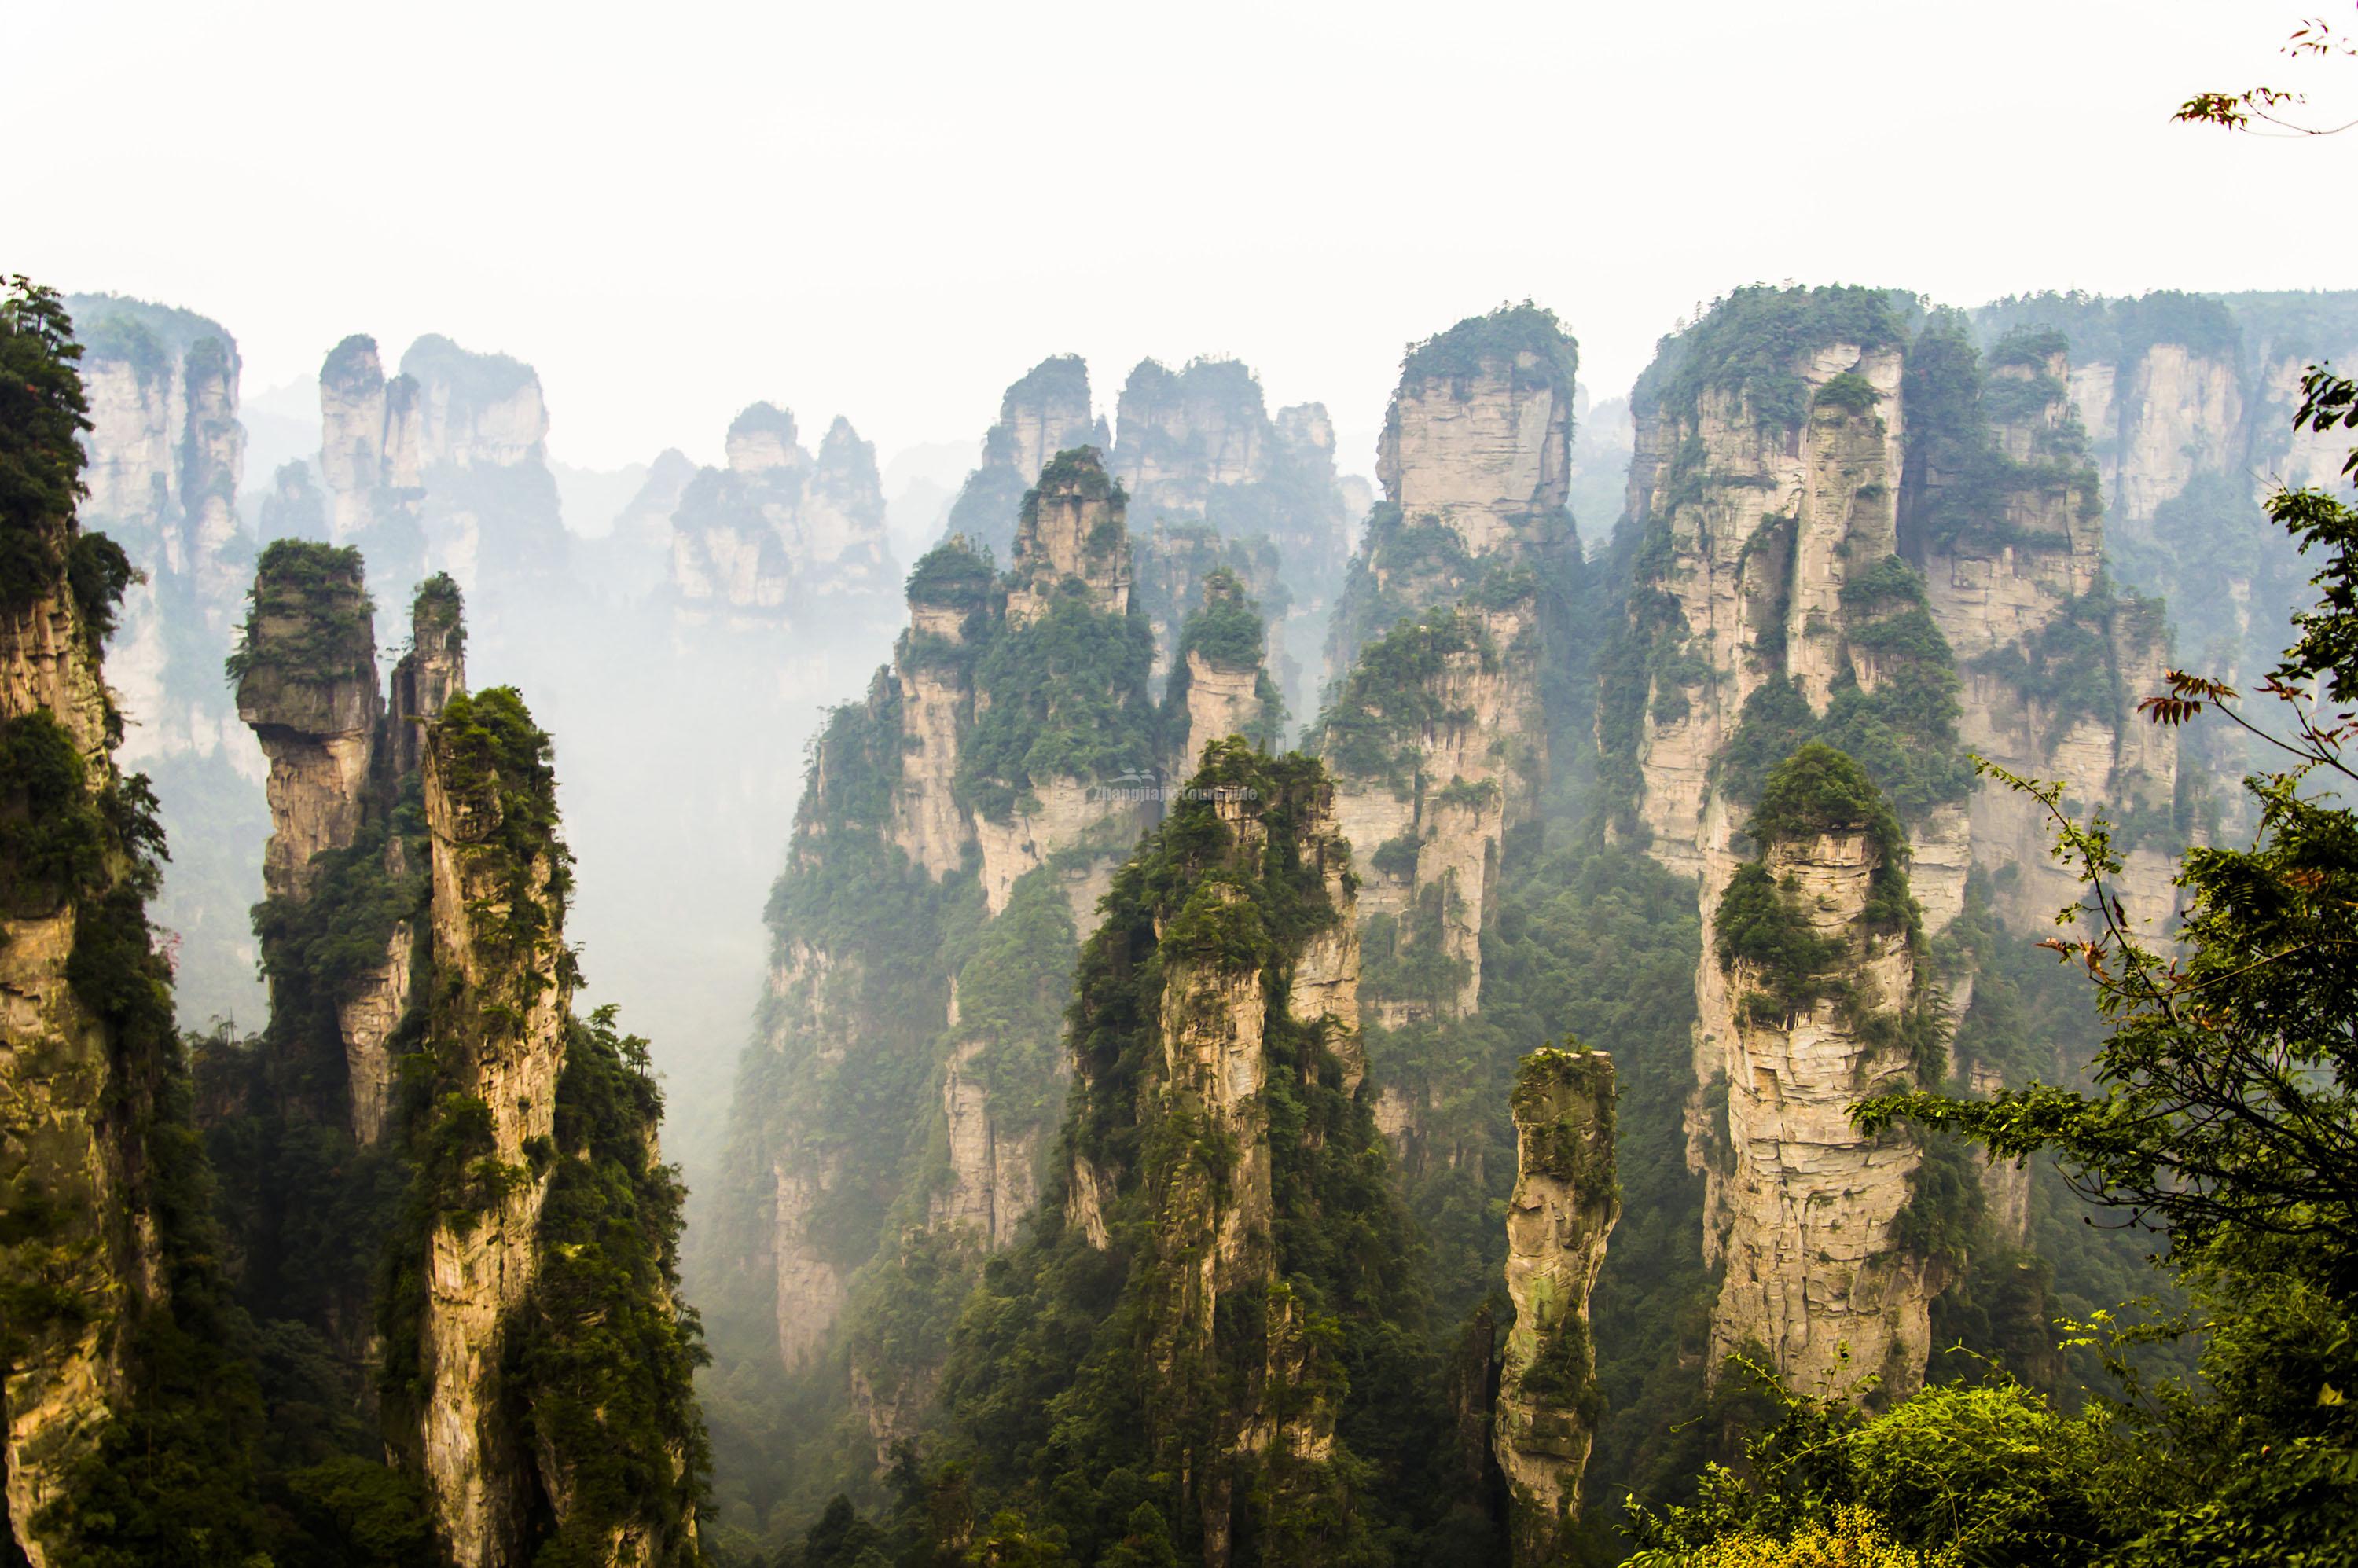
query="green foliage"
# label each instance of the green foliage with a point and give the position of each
(497, 765)
(954, 575)
(308, 618)
(1751, 342)
(42, 416)
(53, 843)
(601, 1355)
(1374, 726)
(1848, 392)
(1063, 697)
(1990, 1470)
(2066, 670)
(1488, 344)
(1757, 925)
(1820, 790)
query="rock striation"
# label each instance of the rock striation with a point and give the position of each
(1220, 685)
(1564, 1207)
(1858, 532)
(1812, 998)
(1436, 734)
(165, 456)
(131, 1402)
(778, 532)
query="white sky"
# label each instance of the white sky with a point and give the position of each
(889, 210)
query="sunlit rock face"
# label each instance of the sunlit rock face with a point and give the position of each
(1564, 1207)
(779, 535)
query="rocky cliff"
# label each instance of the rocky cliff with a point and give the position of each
(1856, 532)
(1220, 684)
(1564, 1205)
(373, 460)
(1045, 413)
(165, 456)
(1212, 1134)
(2186, 402)
(779, 534)
(116, 1328)
(1200, 446)
(1814, 996)
(535, 1361)
(1474, 461)
(1435, 731)
(489, 513)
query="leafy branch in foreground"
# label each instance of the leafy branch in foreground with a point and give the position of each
(2236, 111)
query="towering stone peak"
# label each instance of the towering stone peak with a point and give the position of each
(1565, 1202)
(1178, 435)
(1045, 413)
(432, 672)
(1437, 742)
(1858, 532)
(777, 527)
(951, 593)
(1474, 461)
(307, 685)
(762, 439)
(476, 410)
(1814, 997)
(1220, 685)
(100, 1261)
(496, 1030)
(1478, 436)
(372, 456)
(1227, 907)
(1071, 537)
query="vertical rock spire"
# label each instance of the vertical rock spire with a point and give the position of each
(1565, 1202)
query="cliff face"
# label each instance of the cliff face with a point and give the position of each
(1564, 1205)
(1861, 535)
(1045, 413)
(536, 1366)
(1220, 687)
(105, 1255)
(1225, 912)
(1200, 446)
(372, 456)
(2186, 402)
(166, 454)
(1475, 462)
(777, 527)
(1436, 735)
(1812, 1000)
(490, 514)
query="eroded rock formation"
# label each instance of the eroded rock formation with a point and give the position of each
(779, 533)
(1857, 533)
(1565, 1202)
(1045, 413)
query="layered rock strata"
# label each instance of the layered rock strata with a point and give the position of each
(1564, 1205)
(1810, 1000)
(1872, 539)
(1436, 735)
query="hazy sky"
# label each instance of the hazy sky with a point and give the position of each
(891, 210)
